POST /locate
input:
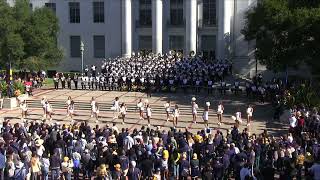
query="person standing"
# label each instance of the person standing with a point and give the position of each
(75, 80)
(176, 114)
(149, 112)
(71, 110)
(69, 81)
(68, 102)
(116, 107)
(56, 82)
(24, 109)
(123, 112)
(167, 107)
(66, 168)
(205, 115)
(194, 110)
(140, 106)
(48, 110)
(63, 81)
(220, 113)
(249, 114)
(83, 82)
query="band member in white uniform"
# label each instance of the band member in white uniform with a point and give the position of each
(92, 104)
(149, 113)
(94, 109)
(140, 106)
(249, 114)
(116, 108)
(167, 107)
(205, 115)
(220, 113)
(123, 112)
(176, 114)
(194, 110)
(24, 109)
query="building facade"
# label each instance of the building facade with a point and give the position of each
(111, 28)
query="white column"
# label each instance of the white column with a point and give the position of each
(191, 26)
(126, 28)
(157, 26)
(225, 13)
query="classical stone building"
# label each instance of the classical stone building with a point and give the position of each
(111, 28)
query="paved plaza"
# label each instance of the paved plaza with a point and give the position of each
(262, 112)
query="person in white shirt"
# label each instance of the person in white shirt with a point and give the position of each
(24, 109)
(293, 123)
(49, 110)
(238, 119)
(205, 115)
(116, 108)
(220, 113)
(92, 104)
(123, 111)
(167, 107)
(71, 110)
(68, 102)
(176, 114)
(140, 106)
(194, 111)
(43, 104)
(149, 112)
(249, 114)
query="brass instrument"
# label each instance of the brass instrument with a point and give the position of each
(192, 54)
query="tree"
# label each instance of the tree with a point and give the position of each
(286, 33)
(28, 39)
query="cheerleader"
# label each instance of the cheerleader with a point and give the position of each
(237, 118)
(24, 109)
(176, 114)
(249, 114)
(140, 106)
(95, 110)
(68, 102)
(71, 110)
(167, 107)
(205, 115)
(149, 112)
(92, 104)
(194, 110)
(43, 104)
(49, 110)
(116, 108)
(123, 111)
(220, 113)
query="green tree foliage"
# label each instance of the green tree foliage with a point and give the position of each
(287, 33)
(28, 38)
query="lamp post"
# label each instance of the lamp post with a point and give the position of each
(81, 50)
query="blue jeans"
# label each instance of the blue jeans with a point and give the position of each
(67, 176)
(45, 174)
(176, 170)
(55, 173)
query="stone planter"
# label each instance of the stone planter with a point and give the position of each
(10, 103)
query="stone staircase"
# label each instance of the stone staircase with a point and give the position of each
(157, 109)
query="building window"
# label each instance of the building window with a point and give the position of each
(209, 12)
(75, 46)
(176, 12)
(51, 6)
(145, 43)
(145, 16)
(98, 12)
(176, 43)
(74, 10)
(208, 46)
(31, 6)
(99, 46)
